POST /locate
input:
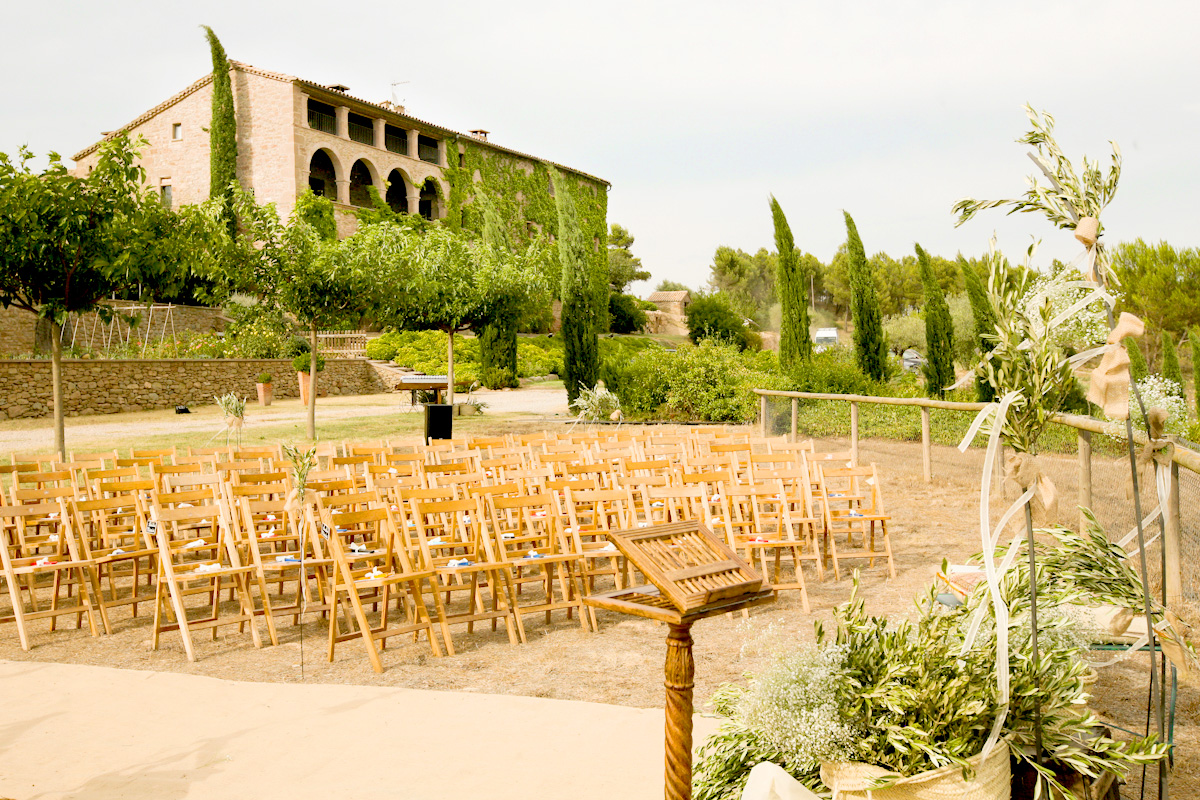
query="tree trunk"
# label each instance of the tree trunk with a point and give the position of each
(450, 369)
(60, 436)
(312, 387)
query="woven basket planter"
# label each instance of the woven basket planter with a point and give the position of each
(992, 781)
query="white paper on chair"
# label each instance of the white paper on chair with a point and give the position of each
(772, 782)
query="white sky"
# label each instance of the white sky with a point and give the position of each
(696, 111)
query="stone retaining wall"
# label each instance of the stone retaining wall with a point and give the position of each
(109, 387)
(18, 327)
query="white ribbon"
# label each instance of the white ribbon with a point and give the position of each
(997, 412)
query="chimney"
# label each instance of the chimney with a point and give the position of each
(479, 133)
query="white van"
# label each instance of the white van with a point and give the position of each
(826, 337)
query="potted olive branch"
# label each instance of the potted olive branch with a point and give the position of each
(301, 364)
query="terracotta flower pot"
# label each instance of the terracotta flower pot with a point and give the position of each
(303, 378)
(266, 393)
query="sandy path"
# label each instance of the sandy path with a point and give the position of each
(82, 732)
(38, 434)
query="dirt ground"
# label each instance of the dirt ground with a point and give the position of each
(622, 663)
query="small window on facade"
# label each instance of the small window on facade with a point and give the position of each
(165, 192)
(462, 160)
(177, 131)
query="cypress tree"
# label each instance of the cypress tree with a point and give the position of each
(1194, 340)
(985, 323)
(1170, 363)
(1137, 361)
(870, 350)
(795, 344)
(579, 318)
(939, 331)
(222, 130)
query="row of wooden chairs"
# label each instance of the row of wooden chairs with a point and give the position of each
(386, 530)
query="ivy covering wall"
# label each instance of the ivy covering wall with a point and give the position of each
(521, 191)
(521, 195)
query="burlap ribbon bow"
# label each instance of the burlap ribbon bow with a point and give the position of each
(1023, 471)
(1109, 385)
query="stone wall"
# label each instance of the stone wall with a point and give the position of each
(109, 387)
(18, 326)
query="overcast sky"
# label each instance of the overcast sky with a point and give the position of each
(696, 111)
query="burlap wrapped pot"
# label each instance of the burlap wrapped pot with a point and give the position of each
(992, 781)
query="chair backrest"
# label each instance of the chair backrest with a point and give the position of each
(521, 525)
(165, 453)
(110, 523)
(158, 472)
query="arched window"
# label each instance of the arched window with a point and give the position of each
(397, 193)
(360, 181)
(430, 204)
(322, 178)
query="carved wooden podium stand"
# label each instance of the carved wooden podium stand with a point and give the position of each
(694, 575)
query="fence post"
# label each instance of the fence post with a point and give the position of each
(854, 431)
(926, 445)
(1085, 474)
(1172, 540)
(795, 417)
(762, 415)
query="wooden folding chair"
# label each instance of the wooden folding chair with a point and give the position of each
(112, 533)
(196, 553)
(853, 504)
(759, 525)
(274, 536)
(526, 534)
(463, 557)
(370, 564)
(48, 550)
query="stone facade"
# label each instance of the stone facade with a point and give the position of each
(110, 387)
(277, 142)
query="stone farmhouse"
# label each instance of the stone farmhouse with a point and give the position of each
(294, 134)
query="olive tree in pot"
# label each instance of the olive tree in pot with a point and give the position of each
(301, 268)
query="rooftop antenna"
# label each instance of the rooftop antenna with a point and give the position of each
(395, 100)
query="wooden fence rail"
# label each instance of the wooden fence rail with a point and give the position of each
(1084, 428)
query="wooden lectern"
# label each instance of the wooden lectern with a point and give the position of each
(694, 575)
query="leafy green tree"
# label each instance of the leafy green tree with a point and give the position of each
(870, 350)
(304, 270)
(623, 266)
(1170, 362)
(1159, 284)
(1138, 368)
(222, 130)
(795, 343)
(581, 361)
(68, 243)
(985, 323)
(624, 313)
(748, 281)
(939, 331)
(671, 286)
(711, 316)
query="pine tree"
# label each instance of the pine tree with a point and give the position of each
(222, 130)
(985, 323)
(1194, 340)
(1137, 361)
(795, 344)
(939, 331)
(579, 318)
(1170, 363)
(870, 350)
